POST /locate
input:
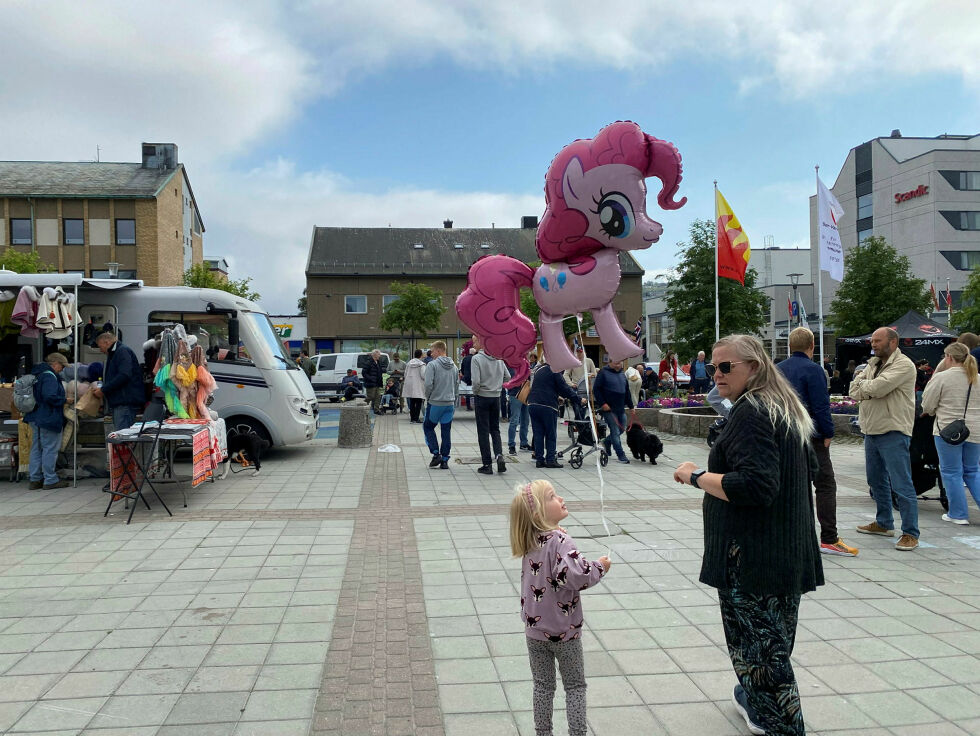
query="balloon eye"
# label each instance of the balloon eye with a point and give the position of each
(615, 215)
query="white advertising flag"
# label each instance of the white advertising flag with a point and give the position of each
(829, 213)
(803, 320)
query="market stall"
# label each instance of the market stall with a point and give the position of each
(918, 337)
(36, 308)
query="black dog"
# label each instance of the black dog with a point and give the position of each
(643, 444)
(247, 448)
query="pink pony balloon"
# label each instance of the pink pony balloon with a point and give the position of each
(596, 206)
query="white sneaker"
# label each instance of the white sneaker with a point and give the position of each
(963, 522)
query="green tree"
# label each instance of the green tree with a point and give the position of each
(877, 289)
(301, 305)
(417, 310)
(20, 262)
(967, 317)
(691, 297)
(201, 277)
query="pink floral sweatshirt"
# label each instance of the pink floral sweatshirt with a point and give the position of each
(551, 577)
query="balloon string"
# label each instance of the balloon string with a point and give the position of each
(595, 438)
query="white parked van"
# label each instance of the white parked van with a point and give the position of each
(332, 367)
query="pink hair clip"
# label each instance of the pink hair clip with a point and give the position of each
(530, 496)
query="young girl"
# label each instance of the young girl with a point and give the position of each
(552, 574)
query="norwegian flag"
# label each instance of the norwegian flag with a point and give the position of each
(637, 331)
(948, 296)
(935, 299)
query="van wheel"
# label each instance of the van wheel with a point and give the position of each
(246, 425)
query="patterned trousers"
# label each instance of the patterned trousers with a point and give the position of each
(760, 631)
(542, 655)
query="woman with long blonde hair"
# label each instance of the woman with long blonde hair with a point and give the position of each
(760, 539)
(950, 395)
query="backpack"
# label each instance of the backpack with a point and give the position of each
(24, 398)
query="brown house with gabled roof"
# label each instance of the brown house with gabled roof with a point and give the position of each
(350, 270)
(139, 220)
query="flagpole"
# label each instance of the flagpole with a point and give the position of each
(949, 306)
(819, 276)
(717, 317)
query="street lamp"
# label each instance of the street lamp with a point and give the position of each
(113, 269)
(795, 278)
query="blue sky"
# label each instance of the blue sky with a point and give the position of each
(290, 115)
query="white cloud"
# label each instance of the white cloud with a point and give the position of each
(209, 76)
(269, 238)
(225, 76)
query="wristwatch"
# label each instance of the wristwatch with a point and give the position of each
(695, 476)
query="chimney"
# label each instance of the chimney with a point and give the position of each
(448, 224)
(529, 222)
(896, 133)
(159, 155)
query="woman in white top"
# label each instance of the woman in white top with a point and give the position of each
(946, 396)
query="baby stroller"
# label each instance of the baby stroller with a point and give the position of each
(389, 400)
(923, 457)
(580, 433)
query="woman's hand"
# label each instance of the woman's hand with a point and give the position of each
(683, 472)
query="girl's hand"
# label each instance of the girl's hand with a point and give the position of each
(562, 529)
(683, 472)
(605, 562)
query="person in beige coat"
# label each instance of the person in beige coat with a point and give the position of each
(951, 395)
(413, 387)
(885, 392)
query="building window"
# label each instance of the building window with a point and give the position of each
(125, 232)
(863, 234)
(20, 231)
(964, 181)
(355, 305)
(962, 260)
(963, 220)
(74, 232)
(387, 299)
(864, 206)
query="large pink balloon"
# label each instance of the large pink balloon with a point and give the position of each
(596, 207)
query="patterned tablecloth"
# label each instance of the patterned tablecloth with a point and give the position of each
(207, 440)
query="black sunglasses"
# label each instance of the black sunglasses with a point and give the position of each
(725, 367)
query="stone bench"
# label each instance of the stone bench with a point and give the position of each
(354, 429)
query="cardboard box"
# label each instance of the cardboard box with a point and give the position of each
(7, 400)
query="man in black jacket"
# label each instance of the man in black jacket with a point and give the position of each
(612, 396)
(372, 375)
(122, 382)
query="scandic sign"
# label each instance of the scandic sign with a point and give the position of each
(919, 191)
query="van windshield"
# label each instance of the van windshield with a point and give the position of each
(265, 332)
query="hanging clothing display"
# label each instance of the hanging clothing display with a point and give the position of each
(25, 311)
(182, 375)
(57, 313)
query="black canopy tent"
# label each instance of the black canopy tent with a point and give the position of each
(918, 337)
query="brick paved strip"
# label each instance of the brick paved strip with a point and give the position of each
(379, 676)
(400, 512)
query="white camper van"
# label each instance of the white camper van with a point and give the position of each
(260, 388)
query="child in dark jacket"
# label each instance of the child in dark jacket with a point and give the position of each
(553, 573)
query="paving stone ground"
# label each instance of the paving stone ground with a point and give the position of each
(358, 592)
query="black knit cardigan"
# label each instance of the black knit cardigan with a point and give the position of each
(769, 512)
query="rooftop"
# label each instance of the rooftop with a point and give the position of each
(337, 251)
(90, 179)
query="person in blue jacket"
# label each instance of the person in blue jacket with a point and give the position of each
(612, 396)
(542, 405)
(122, 382)
(47, 420)
(810, 382)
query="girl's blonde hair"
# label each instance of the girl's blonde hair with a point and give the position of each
(959, 352)
(526, 520)
(768, 388)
